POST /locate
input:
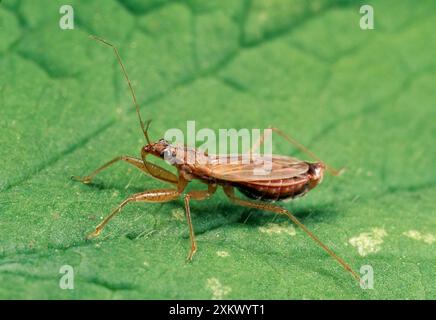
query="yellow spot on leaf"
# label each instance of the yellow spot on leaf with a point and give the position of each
(368, 242)
(178, 214)
(274, 228)
(218, 290)
(416, 235)
(222, 254)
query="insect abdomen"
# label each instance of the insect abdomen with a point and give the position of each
(275, 189)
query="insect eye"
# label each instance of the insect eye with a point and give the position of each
(167, 154)
(163, 141)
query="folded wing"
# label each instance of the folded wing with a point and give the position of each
(244, 169)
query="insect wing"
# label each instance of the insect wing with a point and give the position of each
(238, 168)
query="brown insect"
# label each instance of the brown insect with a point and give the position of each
(288, 178)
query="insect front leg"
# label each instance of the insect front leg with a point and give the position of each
(196, 195)
(229, 191)
(163, 174)
(156, 196)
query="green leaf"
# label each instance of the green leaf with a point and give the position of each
(359, 99)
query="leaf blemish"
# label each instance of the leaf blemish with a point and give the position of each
(218, 290)
(178, 214)
(274, 228)
(416, 235)
(368, 242)
(222, 254)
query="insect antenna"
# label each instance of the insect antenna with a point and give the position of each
(135, 102)
(303, 149)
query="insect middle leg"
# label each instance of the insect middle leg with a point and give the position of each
(229, 191)
(163, 174)
(156, 196)
(196, 195)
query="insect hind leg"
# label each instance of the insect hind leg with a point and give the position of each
(229, 191)
(299, 146)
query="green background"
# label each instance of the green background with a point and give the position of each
(359, 99)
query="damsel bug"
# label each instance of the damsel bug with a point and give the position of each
(288, 178)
